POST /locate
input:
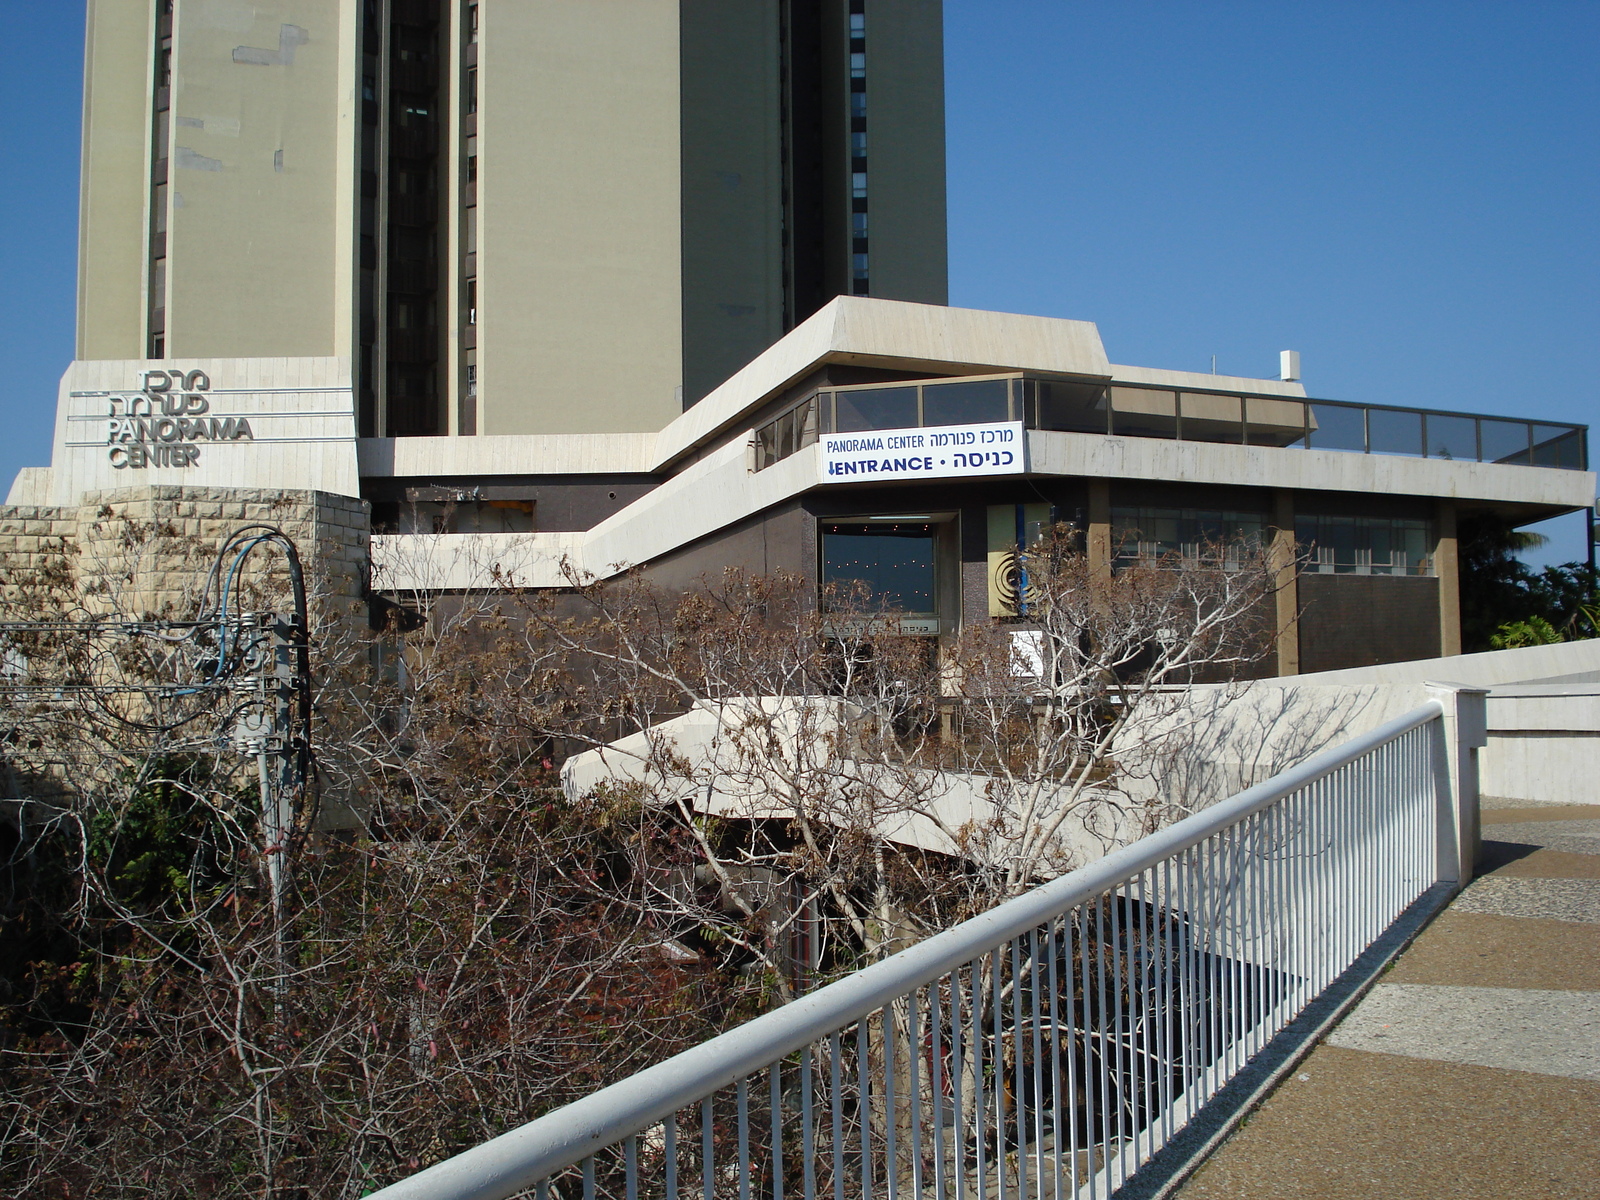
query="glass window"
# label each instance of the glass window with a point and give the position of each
(1504, 441)
(892, 560)
(1340, 545)
(859, 265)
(1270, 422)
(876, 408)
(858, 65)
(1208, 418)
(158, 204)
(858, 184)
(858, 25)
(858, 104)
(1337, 427)
(972, 402)
(858, 144)
(1557, 446)
(1074, 407)
(1452, 437)
(858, 224)
(1394, 432)
(1187, 533)
(1144, 412)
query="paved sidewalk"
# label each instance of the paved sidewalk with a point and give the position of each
(1473, 1069)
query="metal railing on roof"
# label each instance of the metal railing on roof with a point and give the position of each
(1048, 1047)
(1129, 410)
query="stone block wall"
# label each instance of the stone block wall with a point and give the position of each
(147, 551)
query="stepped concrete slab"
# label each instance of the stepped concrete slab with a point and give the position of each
(1548, 1032)
(1554, 899)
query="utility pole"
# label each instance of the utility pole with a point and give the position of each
(270, 686)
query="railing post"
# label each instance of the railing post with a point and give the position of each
(1464, 730)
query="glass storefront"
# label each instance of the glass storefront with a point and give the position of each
(892, 561)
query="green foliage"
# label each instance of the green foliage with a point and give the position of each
(157, 845)
(1533, 631)
(1501, 597)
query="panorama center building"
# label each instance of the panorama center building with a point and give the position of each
(663, 283)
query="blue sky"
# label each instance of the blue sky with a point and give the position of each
(1406, 193)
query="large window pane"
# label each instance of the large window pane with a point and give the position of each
(1072, 407)
(1142, 412)
(1342, 545)
(1452, 437)
(1504, 441)
(1212, 418)
(1394, 432)
(1557, 446)
(894, 562)
(971, 403)
(877, 408)
(1271, 422)
(1336, 427)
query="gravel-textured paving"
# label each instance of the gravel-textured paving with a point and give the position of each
(1478, 950)
(1542, 812)
(1515, 1029)
(1473, 1069)
(1578, 837)
(1551, 899)
(1350, 1125)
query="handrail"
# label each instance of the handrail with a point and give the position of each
(518, 1159)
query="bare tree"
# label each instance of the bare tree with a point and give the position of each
(850, 787)
(763, 786)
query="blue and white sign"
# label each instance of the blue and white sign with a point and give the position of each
(942, 452)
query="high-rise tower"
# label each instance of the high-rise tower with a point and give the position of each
(511, 216)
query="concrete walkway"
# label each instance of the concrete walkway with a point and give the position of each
(1473, 1068)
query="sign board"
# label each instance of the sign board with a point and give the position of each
(283, 423)
(939, 452)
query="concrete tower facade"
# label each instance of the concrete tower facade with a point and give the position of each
(505, 216)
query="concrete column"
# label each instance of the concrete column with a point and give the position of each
(1465, 732)
(1099, 541)
(1287, 596)
(1447, 565)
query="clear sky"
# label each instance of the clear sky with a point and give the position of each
(1407, 193)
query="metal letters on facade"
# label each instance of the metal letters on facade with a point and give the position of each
(162, 424)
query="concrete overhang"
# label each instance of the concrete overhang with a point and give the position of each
(1547, 491)
(506, 454)
(926, 339)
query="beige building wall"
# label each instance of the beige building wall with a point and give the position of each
(118, 80)
(905, 152)
(732, 181)
(580, 282)
(260, 250)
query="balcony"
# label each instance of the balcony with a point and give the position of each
(1126, 410)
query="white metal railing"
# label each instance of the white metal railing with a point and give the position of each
(1046, 1048)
